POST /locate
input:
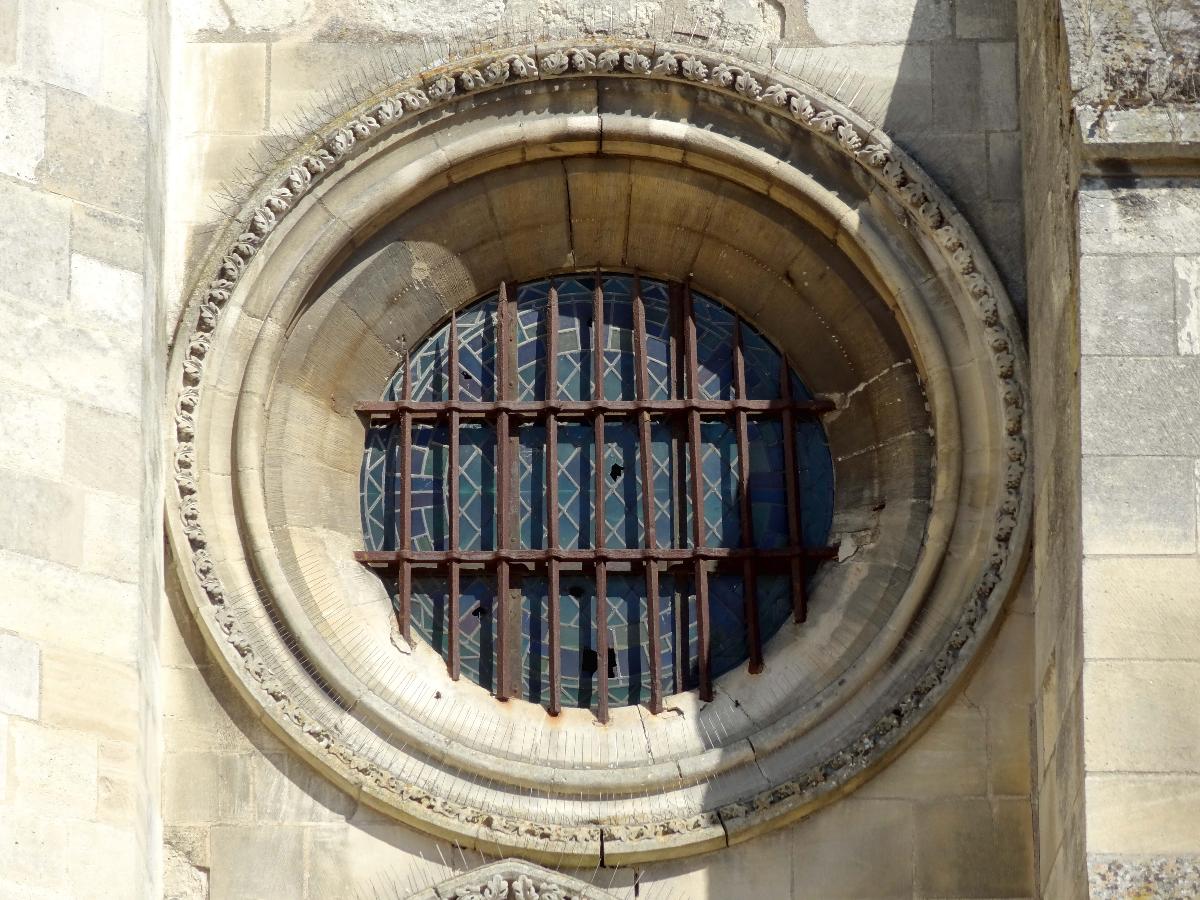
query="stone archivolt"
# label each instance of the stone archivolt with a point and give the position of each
(330, 739)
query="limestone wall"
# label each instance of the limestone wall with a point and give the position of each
(952, 818)
(80, 382)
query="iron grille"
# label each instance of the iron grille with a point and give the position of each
(685, 410)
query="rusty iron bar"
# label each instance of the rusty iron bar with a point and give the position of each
(552, 598)
(598, 500)
(700, 573)
(503, 499)
(792, 487)
(679, 491)
(404, 523)
(452, 477)
(662, 555)
(746, 508)
(585, 409)
(641, 351)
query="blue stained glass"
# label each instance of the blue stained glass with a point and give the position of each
(623, 524)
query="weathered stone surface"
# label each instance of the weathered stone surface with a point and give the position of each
(974, 848)
(22, 143)
(945, 762)
(52, 769)
(105, 294)
(1141, 406)
(1187, 305)
(9, 32)
(974, 87)
(63, 44)
(242, 875)
(1143, 814)
(109, 238)
(897, 79)
(1158, 215)
(231, 85)
(1127, 305)
(883, 22)
(102, 861)
(103, 450)
(1138, 505)
(94, 153)
(111, 536)
(32, 432)
(20, 676)
(985, 19)
(1004, 165)
(41, 518)
(1141, 608)
(119, 781)
(1139, 725)
(90, 694)
(35, 232)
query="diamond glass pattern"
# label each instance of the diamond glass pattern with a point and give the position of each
(571, 375)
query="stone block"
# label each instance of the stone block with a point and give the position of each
(9, 31)
(1157, 215)
(288, 790)
(51, 769)
(950, 759)
(102, 862)
(1010, 749)
(33, 854)
(211, 19)
(974, 848)
(998, 85)
(957, 88)
(1138, 505)
(111, 530)
(1005, 675)
(123, 76)
(238, 871)
(880, 21)
(996, 19)
(62, 43)
(1137, 719)
(1141, 608)
(103, 450)
(89, 693)
(1126, 306)
(41, 518)
(1004, 165)
(34, 230)
(230, 82)
(94, 153)
(1187, 304)
(118, 782)
(40, 596)
(32, 433)
(191, 788)
(22, 143)
(109, 238)
(897, 79)
(1141, 406)
(299, 69)
(105, 295)
(97, 367)
(825, 864)
(20, 676)
(1143, 814)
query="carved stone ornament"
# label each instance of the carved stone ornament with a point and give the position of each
(695, 778)
(513, 879)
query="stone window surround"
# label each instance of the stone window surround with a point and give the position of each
(975, 405)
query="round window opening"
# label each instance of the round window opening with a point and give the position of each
(616, 490)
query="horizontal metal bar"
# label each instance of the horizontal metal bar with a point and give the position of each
(606, 554)
(475, 409)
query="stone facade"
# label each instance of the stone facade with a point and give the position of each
(1063, 765)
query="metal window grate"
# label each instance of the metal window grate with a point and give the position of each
(685, 411)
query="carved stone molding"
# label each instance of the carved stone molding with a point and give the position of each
(513, 879)
(331, 741)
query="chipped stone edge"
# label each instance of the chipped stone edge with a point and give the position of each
(925, 207)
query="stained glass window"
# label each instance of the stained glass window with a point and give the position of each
(596, 490)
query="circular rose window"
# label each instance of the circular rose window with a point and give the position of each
(544, 426)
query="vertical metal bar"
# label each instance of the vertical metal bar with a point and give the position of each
(502, 650)
(791, 482)
(598, 499)
(679, 491)
(644, 447)
(701, 573)
(452, 477)
(404, 526)
(552, 502)
(746, 508)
